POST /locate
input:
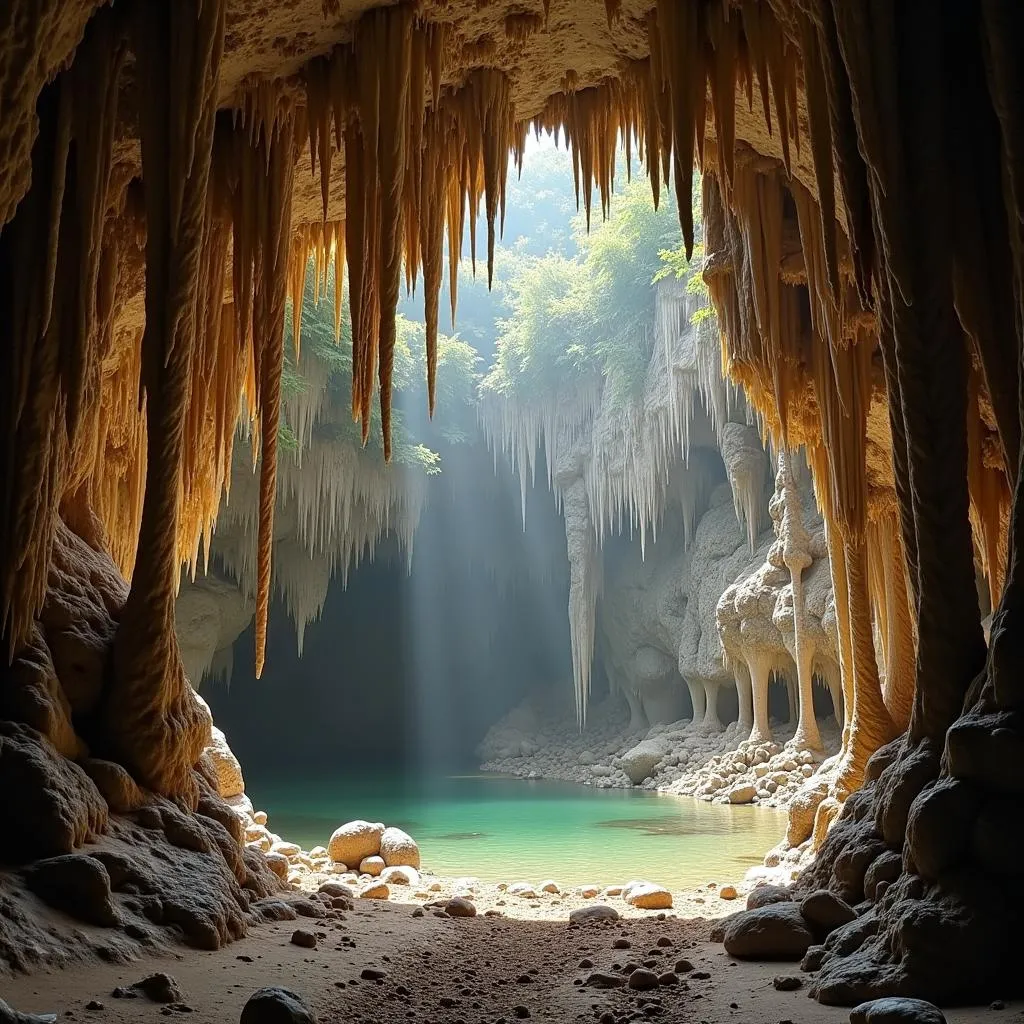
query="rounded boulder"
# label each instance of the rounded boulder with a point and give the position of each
(647, 896)
(399, 849)
(355, 840)
(276, 1006)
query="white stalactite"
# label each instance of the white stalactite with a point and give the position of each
(625, 451)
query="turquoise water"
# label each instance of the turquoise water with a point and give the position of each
(504, 829)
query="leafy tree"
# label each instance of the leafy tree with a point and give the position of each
(577, 318)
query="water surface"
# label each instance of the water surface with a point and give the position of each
(505, 829)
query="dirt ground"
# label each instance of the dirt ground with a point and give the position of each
(526, 964)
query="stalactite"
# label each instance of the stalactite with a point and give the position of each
(50, 265)
(893, 615)
(264, 156)
(520, 25)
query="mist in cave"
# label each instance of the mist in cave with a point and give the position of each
(408, 667)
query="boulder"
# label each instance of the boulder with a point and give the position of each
(278, 863)
(775, 932)
(371, 866)
(523, 889)
(549, 885)
(742, 794)
(764, 895)
(896, 1011)
(639, 762)
(825, 912)
(336, 890)
(647, 896)
(355, 840)
(643, 980)
(8, 1015)
(276, 1006)
(399, 849)
(159, 988)
(597, 912)
(400, 875)
(459, 906)
(374, 891)
(76, 884)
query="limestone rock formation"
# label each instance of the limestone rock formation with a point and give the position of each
(864, 257)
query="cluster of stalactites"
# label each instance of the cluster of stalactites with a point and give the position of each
(57, 278)
(343, 504)
(630, 447)
(416, 163)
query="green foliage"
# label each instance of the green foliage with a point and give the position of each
(456, 383)
(575, 319)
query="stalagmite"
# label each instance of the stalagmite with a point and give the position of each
(745, 695)
(760, 670)
(797, 559)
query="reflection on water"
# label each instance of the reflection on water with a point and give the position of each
(499, 828)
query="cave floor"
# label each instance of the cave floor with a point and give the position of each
(449, 971)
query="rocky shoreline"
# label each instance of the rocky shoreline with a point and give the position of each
(724, 767)
(386, 867)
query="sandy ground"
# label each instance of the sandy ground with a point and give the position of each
(441, 970)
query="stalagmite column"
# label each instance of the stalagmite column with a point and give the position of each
(797, 557)
(744, 695)
(698, 698)
(760, 677)
(150, 718)
(710, 723)
(871, 726)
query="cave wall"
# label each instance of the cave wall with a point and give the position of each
(865, 264)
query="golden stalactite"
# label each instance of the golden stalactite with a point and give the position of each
(51, 259)
(261, 157)
(592, 121)
(520, 25)
(416, 161)
(894, 617)
(989, 490)
(324, 244)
